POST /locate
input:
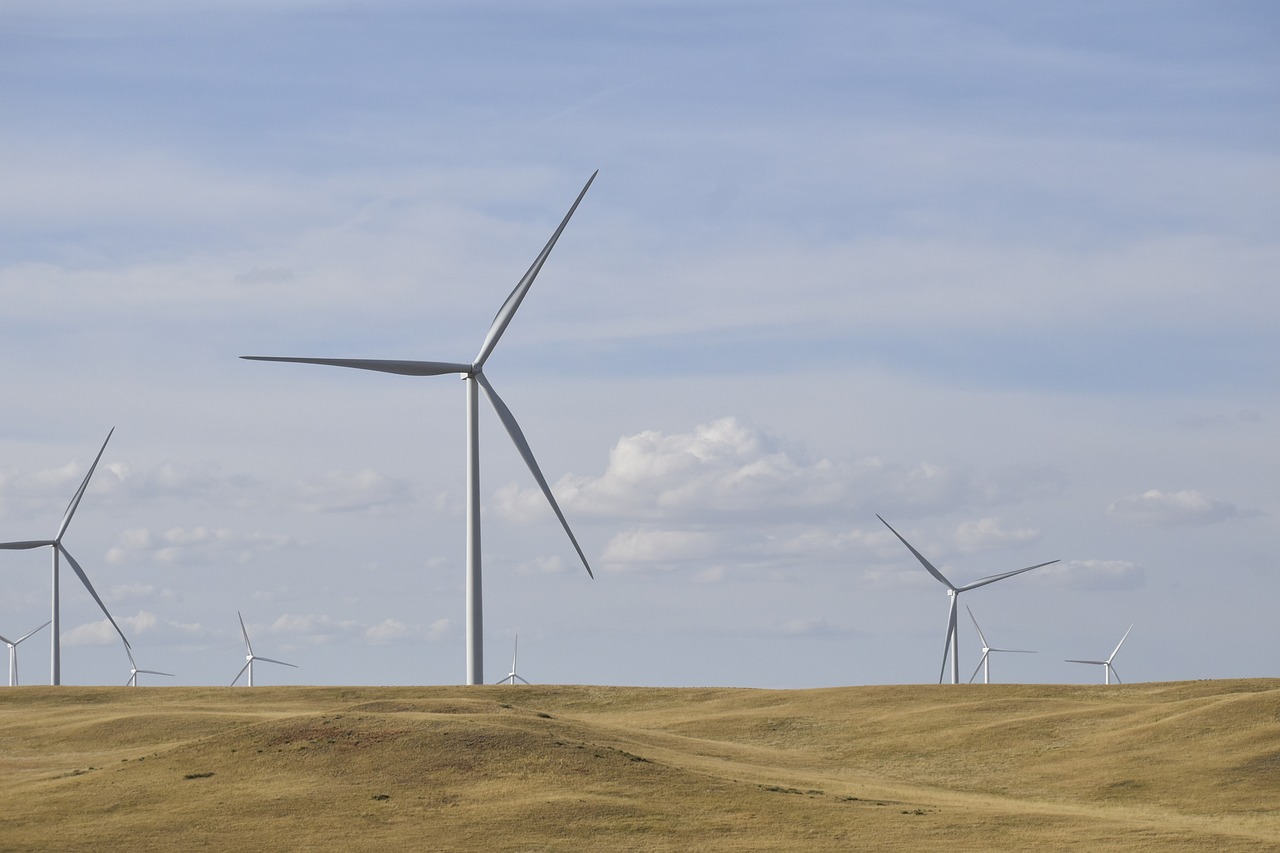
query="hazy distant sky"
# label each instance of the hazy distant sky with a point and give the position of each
(1000, 272)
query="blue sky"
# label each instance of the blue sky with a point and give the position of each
(1004, 275)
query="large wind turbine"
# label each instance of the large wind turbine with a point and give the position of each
(473, 375)
(1107, 669)
(250, 657)
(952, 645)
(513, 675)
(987, 649)
(134, 671)
(13, 654)
(55, 543)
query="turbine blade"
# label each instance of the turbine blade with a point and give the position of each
(525, 680)
(975, 624)
(26, 546)
(245, 632)
(75, 501)
(6, 641)
(1000, 577)
(513, 429)
(404, 368)
(1095, 662)
(84, 579)
(1119, 644)
(240, 673)
(508, 309)
(133, 678)
(979, 667)
(1116, 674)
(156, 672)
(29, 633)
(933, 571)
(272, 660)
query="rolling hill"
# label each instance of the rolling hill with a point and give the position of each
(1173, 766)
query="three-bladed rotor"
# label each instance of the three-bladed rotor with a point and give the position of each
(473, 373)
(951, 648)
(60, 550)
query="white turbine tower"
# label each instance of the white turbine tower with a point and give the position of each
(513, 675)
(55, 543)
(473, 375)
(1107, 669)
(250, 657)
(134, 671)
(13, 654)
(952, 646)
(987, 649)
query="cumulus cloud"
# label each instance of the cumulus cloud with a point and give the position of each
(728, 470)
(390, 631)
(1093, 574)
(311, 628)
(351, 491)
(1171, 509)
(143, 623)
(191, 546)
(988, 534)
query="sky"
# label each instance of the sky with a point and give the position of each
(1001, 273)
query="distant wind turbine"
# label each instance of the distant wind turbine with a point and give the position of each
(55, 543)
(473, 375)
(1107, 669)
(134, 671)
(987, 649)
(513, 675)
(952, 646)
(13, 654)
(250, 657)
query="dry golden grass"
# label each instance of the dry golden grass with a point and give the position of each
(1180, 766)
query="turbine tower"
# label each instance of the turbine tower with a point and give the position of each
(513, 675)
(1107, 669)
(987, 649)
(134, 671)
(13, 654)
(250, 657)
(952, 646)
(55, 676)
(473, 376)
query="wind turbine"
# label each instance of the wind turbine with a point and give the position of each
(58, 548)
(133, 671)
(987, 649)
(952, 645)
(250, 657)
(473, 375)
(513, 675)
(13, 654)
(1107, 669)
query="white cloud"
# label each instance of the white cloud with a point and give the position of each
(351, 491)
(191, 546)
(989, 534)
(659, 549)
(1171, 509)
(156, 628)
(390, 631)
(1093, 575)
(728, 470)
(311, 628)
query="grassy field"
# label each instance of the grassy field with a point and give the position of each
(1167, 767)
